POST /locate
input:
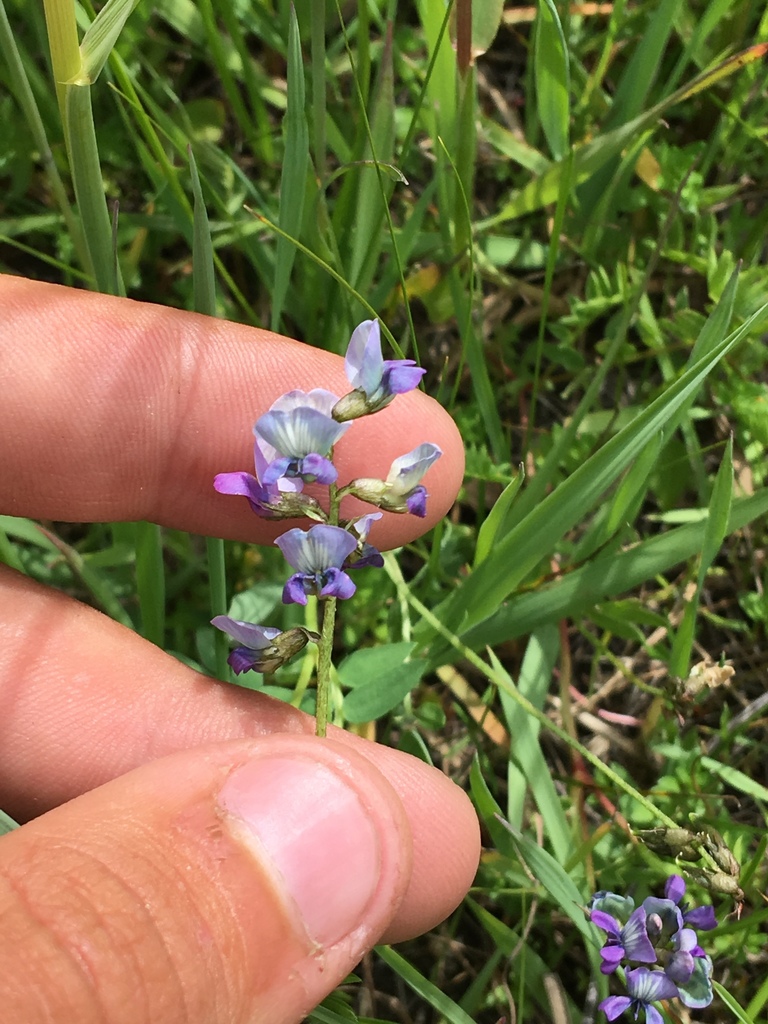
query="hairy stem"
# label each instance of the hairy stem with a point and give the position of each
(324, 666)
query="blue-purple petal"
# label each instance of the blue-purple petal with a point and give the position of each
(614, 1006)
(295, 590)
(317, 549)
(336, 583)
(680, 967)
(401, 376)
(242, 659)
(675, 888)
(299, 432)
(697, 991)
(647, 986)
(315, 467)
(611, 957)
(606, 922)
(247, 633)
(416, 502)
(702, 918)
(634, 938)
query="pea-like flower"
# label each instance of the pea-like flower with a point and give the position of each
(629, 942)
(702, 918)
(297, 435)
(365, 554)
(262, 648)
(644, 987)
(402, 491)
(318, 554)
(375, 380)
(279, 500)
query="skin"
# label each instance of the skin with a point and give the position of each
(139, 889)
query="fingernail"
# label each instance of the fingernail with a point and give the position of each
(310, 828)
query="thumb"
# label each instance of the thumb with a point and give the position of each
(239, 882)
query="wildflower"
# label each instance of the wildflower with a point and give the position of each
(279, 500)
(297, 435)
(318, 554)
(402, 490)
(630, 942)
(375, 380)
(644, 987)
(702, 918)
(680, 965)
(263, 648)
(365, 554)
(696, 992)
(611, 903)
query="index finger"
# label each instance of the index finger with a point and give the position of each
(120, 410)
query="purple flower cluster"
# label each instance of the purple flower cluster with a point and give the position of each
(660, 932)
(294, 442)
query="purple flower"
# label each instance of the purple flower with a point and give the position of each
(365, 554)
(664, 919)
(612, 903)
(279, 500)
(263, 648)
(644, 987)
(375, 380)
(630, 942)
(696, 992)
(296, 436)
(702, 918)
(402, 490)
(318, 554)
(680, 965)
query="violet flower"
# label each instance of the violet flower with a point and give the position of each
(375, 380)
(365, 554)
(402, 490)
(318, 554)
(630, 942)
(296, 436)
(696, 992)
(262, 648)
(644, 987)
(702, 918)
(278, 500)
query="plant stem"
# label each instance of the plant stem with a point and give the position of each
(324, 666)
(325, 647)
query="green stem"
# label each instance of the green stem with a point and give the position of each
(325, 650)
(325, 647)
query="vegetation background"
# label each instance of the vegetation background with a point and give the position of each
(547, 207)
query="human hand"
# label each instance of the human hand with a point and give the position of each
(195, 854)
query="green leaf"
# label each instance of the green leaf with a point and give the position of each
(257, 603)
(555, 880)
(552, 78)
(293, 179)
(100, 38)
(490, 527)
(737, 779)
(378, 678)
(715, 529)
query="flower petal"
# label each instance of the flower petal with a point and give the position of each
(401, 375)
(614, 1006)
(363, 361)
(702, 918)
(634, 938)
(247, 633)
(337, 584)
(675, 888)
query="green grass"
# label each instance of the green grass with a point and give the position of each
(577, 220)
